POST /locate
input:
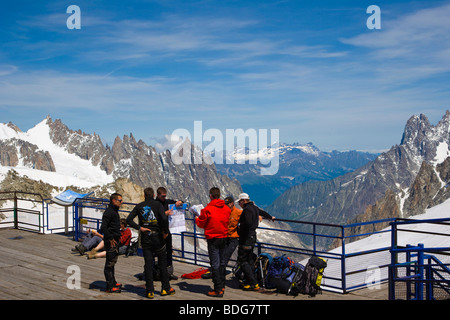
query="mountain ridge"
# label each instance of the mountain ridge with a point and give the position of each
(342, 199)
(80, 155)
(298, 163)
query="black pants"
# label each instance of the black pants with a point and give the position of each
(216, 252)
(169, 249)
(112, 254)
(153, 245)
(246, 259)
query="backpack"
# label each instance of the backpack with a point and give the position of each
(289, 276)
(311, 279)
(275, 271)
(262, 263)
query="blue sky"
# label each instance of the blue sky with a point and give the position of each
(311, 69)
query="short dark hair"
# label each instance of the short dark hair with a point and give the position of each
(161, 190)
(149, 193)
(124, 222)
(214, 192)
(115, 196)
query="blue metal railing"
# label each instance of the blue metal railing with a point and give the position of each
(420, 275)
(349, 275)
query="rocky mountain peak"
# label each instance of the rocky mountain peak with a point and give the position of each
(342, 199)
(127, 158)
(422, 139)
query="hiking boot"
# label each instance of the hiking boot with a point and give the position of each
(91, 255)
(81, 249)
(251, 288)
(150, 295)
(114, 290)
(217, 294)
(171, 292)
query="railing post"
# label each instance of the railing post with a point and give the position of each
(314, 239)
(182, 245)
(408, 273)
(195, 243)
(429, 279)
(43, 218)
(392, 267)
(16, 215)
(75, 219)
(420, 263)
(343, 271)
(66, 219)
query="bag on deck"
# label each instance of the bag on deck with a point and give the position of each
(262, 264)
(312, 277)
(275, 271)
(197, 274)
(288, 278)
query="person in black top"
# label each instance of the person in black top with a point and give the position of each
(111, 234)
(154, 228)
(248, 223)
(161, 196)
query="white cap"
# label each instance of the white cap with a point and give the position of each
(243, 196)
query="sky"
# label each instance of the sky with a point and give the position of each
(314, 70)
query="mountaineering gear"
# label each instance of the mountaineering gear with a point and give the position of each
(114, 290)
(215, 293)
(312, 277)
(168, 292)
(248, 287)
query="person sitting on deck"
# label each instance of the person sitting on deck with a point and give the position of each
(124, 242)
(92, 239)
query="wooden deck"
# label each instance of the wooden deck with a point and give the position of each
(37, 267)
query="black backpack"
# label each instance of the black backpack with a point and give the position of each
(277, 269)
(311, 278)
(289, 277)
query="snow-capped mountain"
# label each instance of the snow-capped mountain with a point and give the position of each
(342, 199)
(298, 163)
(35, 154)
(53, 153)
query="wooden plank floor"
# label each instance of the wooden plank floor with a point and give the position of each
(35, 267)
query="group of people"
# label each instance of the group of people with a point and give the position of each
(225, 228)
(155, 237)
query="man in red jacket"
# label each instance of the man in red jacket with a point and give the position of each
(214, 218)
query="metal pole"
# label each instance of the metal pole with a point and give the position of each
(75, 217)
(420, 262)
(392, 267)
(16, 218)
(343, 272)
(66, 219)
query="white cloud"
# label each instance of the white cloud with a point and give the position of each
(168, 142)
(418, 40)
